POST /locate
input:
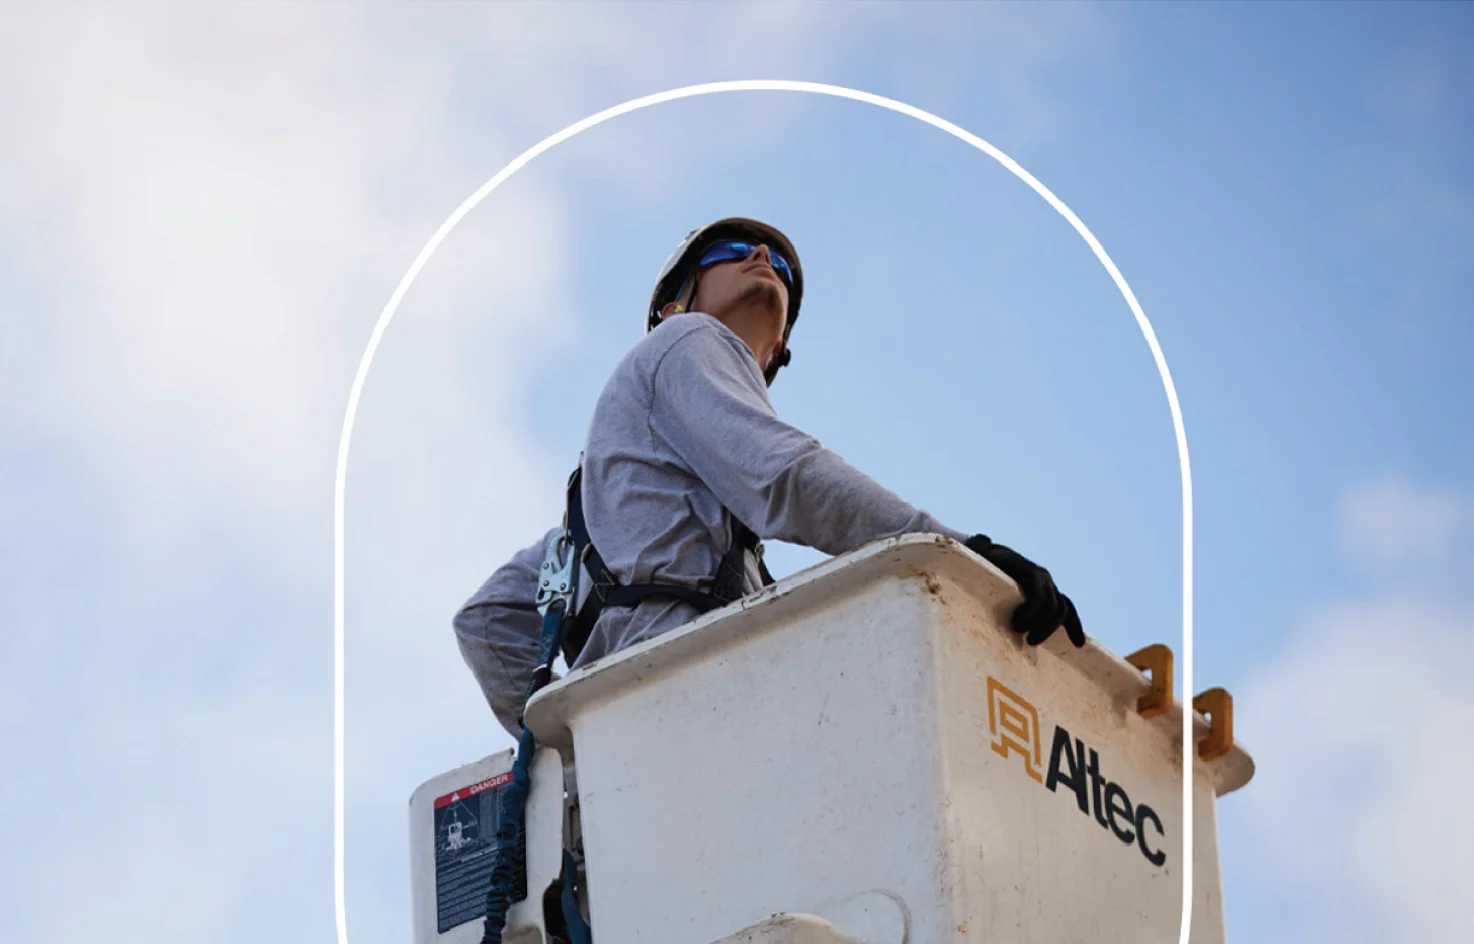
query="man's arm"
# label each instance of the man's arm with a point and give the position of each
(711, 406)
(499, 631)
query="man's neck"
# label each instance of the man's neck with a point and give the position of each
(754, 326)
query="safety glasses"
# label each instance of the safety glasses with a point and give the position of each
(729, 250)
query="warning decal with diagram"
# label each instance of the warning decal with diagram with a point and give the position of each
(465, 849)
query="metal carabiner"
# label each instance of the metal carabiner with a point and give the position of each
(556, 577)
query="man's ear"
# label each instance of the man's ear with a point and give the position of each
(682, 300)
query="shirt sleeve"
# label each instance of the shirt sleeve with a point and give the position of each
(710, 405)
(499, 631)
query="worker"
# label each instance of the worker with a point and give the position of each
(687, 468)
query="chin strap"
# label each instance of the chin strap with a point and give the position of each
(779, 361)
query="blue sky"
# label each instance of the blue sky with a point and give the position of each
(203, 213)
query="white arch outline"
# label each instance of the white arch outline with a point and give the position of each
(690, 91)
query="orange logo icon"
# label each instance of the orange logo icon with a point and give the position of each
(1014, 725)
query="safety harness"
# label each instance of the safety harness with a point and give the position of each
(566, 630)
(605, 590)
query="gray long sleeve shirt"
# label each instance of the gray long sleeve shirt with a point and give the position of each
(682, 435)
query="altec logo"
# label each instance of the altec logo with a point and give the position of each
(1014, 724)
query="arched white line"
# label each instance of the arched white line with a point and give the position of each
(690, 91)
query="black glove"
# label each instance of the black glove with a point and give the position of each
(1044, 609)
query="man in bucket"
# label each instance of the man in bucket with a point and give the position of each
(687, 468)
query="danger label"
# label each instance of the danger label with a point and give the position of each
(490, 783)
(465, 850)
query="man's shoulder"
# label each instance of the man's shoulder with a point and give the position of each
(696, 325)
(694, 334)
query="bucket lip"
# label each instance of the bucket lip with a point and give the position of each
(924, 556)
(491, 765)
(548, 712)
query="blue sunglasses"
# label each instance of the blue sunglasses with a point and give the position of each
(729, 250)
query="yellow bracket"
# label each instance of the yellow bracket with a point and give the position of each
(1155, 662)
(1217, 704)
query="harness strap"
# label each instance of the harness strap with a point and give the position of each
(507, 883)
(605, 590)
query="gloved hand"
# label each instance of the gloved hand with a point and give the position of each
(1044, 609)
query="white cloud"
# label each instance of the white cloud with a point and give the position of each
(216, 204)
(1394, 525)
(1361, 733)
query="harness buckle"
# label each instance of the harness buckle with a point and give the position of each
(555, 580)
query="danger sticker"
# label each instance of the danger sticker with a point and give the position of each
(489, 784)
(465, 850)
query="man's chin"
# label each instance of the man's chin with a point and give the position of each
(764, 293)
